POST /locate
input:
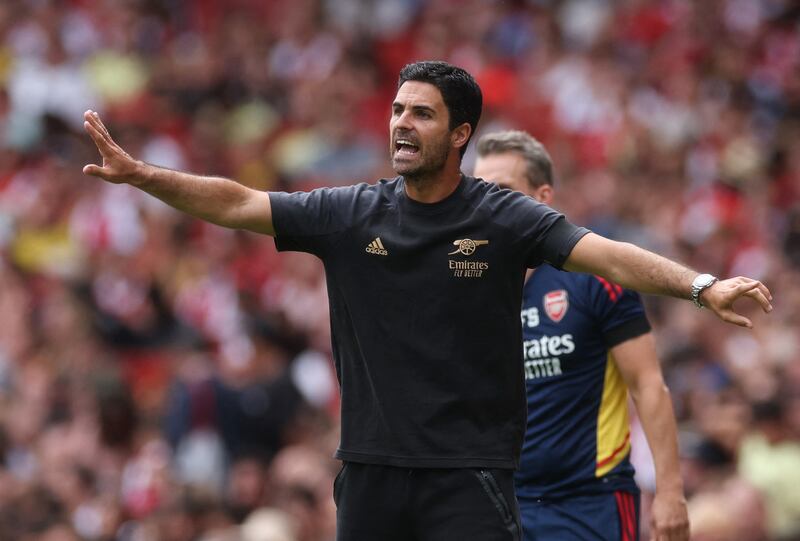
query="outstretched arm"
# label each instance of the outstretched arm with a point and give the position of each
(218, 200)
(635, 268)
(638, 364)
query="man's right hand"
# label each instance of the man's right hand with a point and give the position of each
(118, 166)
(215, 199)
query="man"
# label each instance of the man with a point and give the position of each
(586, 342)
(433, 398)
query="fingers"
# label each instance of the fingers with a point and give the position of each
(670, 533)
(765, 290)
(760, 298)
(767, 295)
(669, 520)
(97, 137)
(732, 317)
(93, 170)
(755, 290)
(107, 147)
(659, 534)
(101, 140)
(117, 165)
(735, 288)
(93, 118)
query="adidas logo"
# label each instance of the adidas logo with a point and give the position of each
(376, 247)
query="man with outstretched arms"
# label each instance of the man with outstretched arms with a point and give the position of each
(433, 397)
(586, 343)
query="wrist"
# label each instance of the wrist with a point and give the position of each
(700, 285)
(702, 297)
(142, 174)
(671, 489)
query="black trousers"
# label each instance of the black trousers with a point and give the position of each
(386, 503)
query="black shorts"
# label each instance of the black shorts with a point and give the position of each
(386, 503)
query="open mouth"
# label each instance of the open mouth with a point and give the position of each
(405, 147)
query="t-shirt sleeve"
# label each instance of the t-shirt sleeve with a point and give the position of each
(619, 312)
(559, 241)
(547, 235)
(308, 221)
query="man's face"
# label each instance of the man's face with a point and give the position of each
(419, 130)
(507, 170)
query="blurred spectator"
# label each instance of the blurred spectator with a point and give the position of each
(732, 511)
(769, 459)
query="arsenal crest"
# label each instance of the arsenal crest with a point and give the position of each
(556, 304)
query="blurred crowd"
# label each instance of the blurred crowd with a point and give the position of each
(164, 379)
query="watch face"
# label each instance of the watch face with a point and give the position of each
(703, 280)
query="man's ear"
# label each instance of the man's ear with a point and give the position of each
(543, 194)
(460, 135)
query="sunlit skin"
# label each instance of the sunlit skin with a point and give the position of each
(430, 162)
(228, 203)
(507, 170)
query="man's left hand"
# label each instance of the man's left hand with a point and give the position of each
(719, 298)
(669, 519)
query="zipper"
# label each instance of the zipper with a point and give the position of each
(337, 482)
(489, 485)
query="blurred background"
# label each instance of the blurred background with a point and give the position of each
(164, 379)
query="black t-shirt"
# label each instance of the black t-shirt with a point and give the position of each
(425, 303)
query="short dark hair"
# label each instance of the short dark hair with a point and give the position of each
(539, 166)
(461, 94)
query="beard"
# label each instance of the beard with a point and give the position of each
(431, 159)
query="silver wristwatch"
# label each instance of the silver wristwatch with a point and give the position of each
(699, 284)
